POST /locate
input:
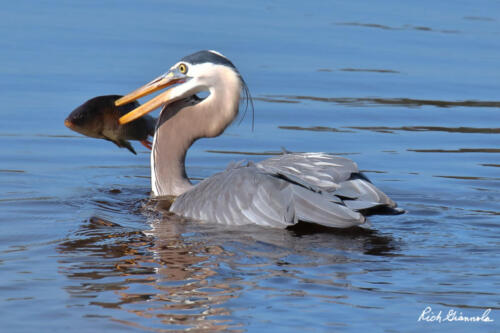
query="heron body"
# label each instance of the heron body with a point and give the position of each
(277, 192)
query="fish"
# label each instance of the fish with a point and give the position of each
(98, 118)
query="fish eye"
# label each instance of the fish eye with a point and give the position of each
(183, 68)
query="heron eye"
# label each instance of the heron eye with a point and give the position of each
(183, 69)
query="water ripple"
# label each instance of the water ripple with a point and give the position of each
(370, 101)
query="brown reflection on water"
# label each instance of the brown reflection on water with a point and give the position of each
(479, 18)
(467, 177)
(368, 101)
(274, 100)
(385, 129)
(237, 152)
(461, 150)
(368, 70)
(266, 153)
(403, 27)
(367, 25)
(163, 280)
(315, 129)
(11, 171)
(155, 275)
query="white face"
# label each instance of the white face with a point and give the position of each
(203, 77)
(202, 73)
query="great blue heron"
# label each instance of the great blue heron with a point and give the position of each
(277, 192)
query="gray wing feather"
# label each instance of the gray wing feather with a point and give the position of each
(318, 208)
(237, 196)
(335, 174)
(247, 195)
(362, 190)
(319, 169)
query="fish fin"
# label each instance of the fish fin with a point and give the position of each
(126, 144)
(122, 144)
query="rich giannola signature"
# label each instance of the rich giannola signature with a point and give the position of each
(453, 316)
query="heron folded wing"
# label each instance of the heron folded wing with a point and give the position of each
(335, 174)
(237, 196)
(319, 169)
(362, 190)
(247, 195)
(317, 208)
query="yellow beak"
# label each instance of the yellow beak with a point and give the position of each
(149, 88)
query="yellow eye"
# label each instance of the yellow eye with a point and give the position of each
(183, 69)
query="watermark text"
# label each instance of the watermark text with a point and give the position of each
(453, 315)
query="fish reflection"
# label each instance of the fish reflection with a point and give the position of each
(185, 279)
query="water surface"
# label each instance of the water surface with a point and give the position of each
(409, 91)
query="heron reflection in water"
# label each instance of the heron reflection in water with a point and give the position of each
(173, 274)
(277, 192)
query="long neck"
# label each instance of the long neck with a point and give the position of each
(179, 126)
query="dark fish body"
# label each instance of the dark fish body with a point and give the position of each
(98, 118)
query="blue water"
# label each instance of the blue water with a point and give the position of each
(410, 91)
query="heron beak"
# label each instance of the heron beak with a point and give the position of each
(161, 82)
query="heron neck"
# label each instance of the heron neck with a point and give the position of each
(179, 126)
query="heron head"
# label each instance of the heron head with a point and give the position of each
(200, 71)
